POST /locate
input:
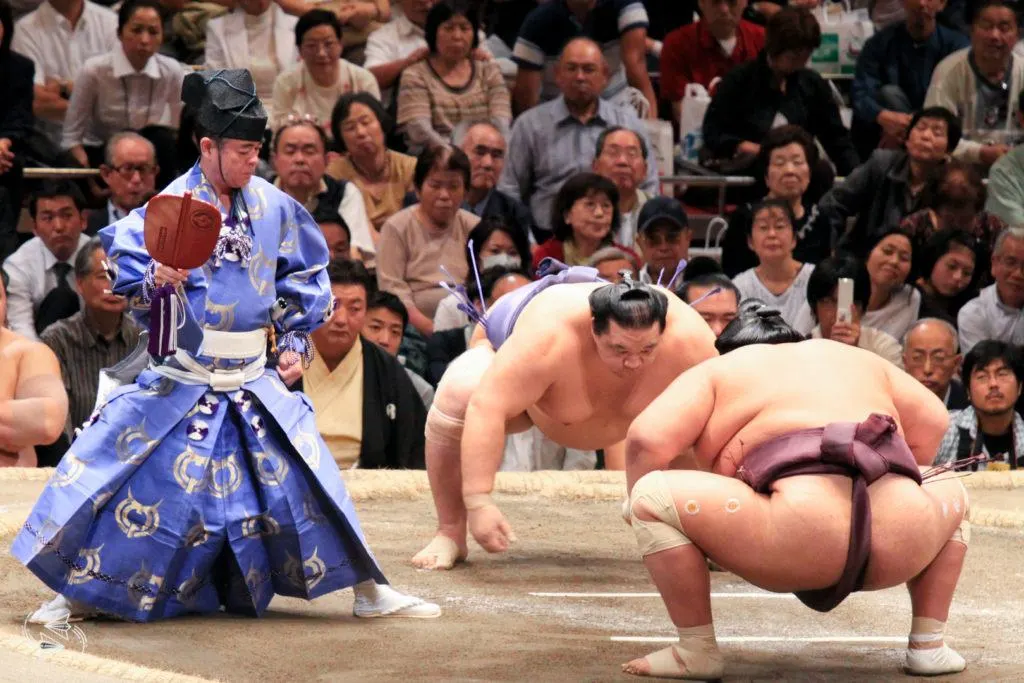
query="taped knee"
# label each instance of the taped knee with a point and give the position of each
(654, 536)
(443, 429)
(962, 534)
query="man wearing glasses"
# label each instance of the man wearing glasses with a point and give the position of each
(996, 313)
(621, 157)
(930, 356)
(314, 85)
(485, 146)
(130, 173)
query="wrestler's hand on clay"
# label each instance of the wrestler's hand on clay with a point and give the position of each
(165, 275)
(490, 528)
(289, 367)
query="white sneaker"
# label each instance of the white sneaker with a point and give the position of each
(61, 609)
(380, 600)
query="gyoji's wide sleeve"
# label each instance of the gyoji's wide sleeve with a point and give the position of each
(131, 271)
(304, 299)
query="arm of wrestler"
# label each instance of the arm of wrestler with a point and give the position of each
(519, 376)
(37, 413)
(671, 424)
(921, 413)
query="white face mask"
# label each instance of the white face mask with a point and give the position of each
(500, 260)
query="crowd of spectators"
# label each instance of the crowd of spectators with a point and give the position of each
(429, 138)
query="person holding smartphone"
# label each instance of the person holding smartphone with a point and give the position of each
(837, 292)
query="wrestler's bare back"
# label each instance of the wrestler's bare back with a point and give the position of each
(759, 392)
(586, 405)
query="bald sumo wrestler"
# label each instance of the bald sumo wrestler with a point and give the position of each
(813, 454)
(579, 360)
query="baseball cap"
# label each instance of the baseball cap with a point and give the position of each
(662, 209)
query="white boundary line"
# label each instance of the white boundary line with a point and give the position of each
(768, 639)
(768, 596)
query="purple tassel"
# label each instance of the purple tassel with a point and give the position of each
(163, 322)
(233, 242)
(680, 267)
(714, 291)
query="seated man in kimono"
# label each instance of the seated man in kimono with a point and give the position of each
(575, 356)
(807, 486)
(204, 484)
(367, 409)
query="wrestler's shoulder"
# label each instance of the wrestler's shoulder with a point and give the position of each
(16, 347)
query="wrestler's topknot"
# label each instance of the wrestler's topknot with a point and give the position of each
(756, 323)
(631, 304)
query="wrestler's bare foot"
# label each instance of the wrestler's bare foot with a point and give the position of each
(443, 552)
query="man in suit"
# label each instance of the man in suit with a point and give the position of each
(130, 172)
(485, 146)
(931, 355)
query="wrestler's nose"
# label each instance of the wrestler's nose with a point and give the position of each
(632, 363)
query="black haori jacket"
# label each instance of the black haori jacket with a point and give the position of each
(393, 414)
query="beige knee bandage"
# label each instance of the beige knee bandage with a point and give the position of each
(443, 429)
(962, 534)
(653, 537)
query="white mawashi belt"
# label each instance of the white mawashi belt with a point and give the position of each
(221, 345)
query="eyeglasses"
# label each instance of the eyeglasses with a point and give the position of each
(615, 151)
(128, 171)
(919, 358)
(313, 48)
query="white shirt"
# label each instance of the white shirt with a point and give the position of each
(114, 212)
(875, 341)
(30, 269)
(263, 64)
(628, 221)
(110, 96)
(58, 51)
(896, 317)
(448, 315)
(792, 303)
(295, 92)
(987, 317)
(238, 40)
(353, 210)
(393, 41)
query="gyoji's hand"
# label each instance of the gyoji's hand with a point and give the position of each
(165, 275)
(490, 528)
(289, 368)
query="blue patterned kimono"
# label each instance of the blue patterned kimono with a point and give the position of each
(177, 498)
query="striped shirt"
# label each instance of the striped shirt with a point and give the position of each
(423, 95)
(82, 353)
(547, 29)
